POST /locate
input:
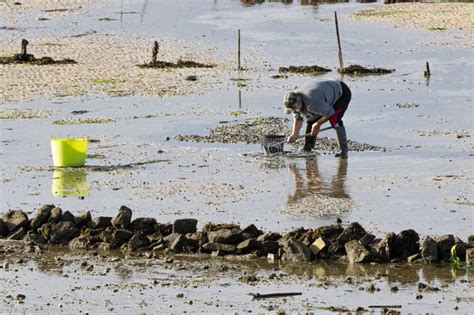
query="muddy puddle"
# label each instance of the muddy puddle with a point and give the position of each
(421, 180)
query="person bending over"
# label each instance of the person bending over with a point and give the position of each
(318, 102)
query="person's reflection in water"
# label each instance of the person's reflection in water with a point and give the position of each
(314, 184)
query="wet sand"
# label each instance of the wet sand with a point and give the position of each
(107, 63)
(430, 16)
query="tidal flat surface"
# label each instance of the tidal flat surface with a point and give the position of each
(423, 180)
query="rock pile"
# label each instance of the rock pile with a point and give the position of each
(354, 244)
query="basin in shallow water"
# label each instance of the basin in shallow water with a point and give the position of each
(69, 152)
(273, 143)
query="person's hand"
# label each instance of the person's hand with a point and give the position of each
(292, 138)
(315, 129)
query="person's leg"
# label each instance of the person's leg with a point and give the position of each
(336, 120)
(309, 141)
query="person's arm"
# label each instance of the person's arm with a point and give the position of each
(297, 123)
(317, 125)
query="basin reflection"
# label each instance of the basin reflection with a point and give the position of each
(69, 182)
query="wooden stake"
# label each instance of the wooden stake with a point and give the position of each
(24, 43)
(427, 71)
(154, 53)
(341, 64)
(238, 50)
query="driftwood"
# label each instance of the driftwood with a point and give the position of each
(258, 296)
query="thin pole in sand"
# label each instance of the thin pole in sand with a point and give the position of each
(154, 52)
(341, 64)
(238, 50)
(427, 71)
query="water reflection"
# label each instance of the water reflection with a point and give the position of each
(69, 182)
(391, 273)
(313, 183)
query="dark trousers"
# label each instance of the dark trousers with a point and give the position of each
(340, 108)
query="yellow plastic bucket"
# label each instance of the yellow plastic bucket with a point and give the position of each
(69, 152)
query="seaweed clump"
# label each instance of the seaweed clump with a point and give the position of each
(360, 70)
(312, 70)
(155, 63)
(25, 58)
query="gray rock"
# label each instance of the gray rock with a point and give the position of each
(137, 241)
(67, 217)
(184, 226)
(294, 251)
(367, 239)
(179, 244)
(445, 243)
(429, 250)
(269, 236)
(167, 240)
(225, 236)
(250, 231)
(470, 256)
(18, 234)
(55, 216)
(34, 238)
(84, 242)
(164, 229)
(123, 218)
(63, 232)
(270, 247)
(101, 222)
(385, 249)
(83, 219)
(122, 234)
(353, 232)
(248, 245)
(225, 248)
(470, 241)
(116, 238)
(15, 219)
(42, 216)
(331, 232)
(3, 228)
(335, 248)
(144, 226)
(356, 253)
(406, 244)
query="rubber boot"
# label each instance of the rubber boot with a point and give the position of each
(309, 143)
(342, 142)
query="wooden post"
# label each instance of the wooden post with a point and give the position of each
(238, 50)
(427, 71)
(341, 64)
(154, 53)
(24, 43)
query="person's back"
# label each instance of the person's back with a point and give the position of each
(319, 97)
